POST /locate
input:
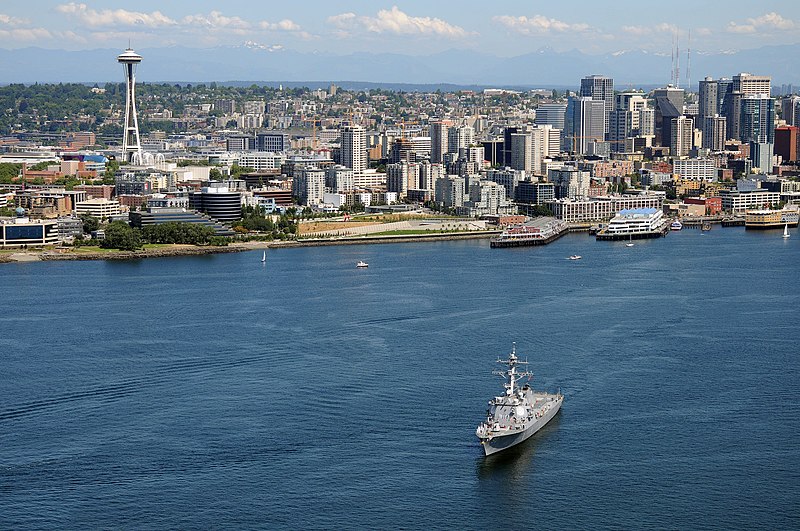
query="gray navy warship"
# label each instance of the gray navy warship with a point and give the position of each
(519, 413)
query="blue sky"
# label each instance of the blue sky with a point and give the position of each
(499, 27)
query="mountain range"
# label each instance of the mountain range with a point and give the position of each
(545, 68)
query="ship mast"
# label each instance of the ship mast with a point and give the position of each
(511, 373)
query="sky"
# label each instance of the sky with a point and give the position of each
(414, 27)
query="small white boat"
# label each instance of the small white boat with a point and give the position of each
(264, 257)
(362, 264)
(786, 231)
(575, 257)
(629, 244)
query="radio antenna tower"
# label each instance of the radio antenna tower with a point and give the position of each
(677, 59)
(131, 147)
(689, 62)
(672, 65)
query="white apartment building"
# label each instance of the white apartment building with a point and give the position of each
(261, 160)
(354, 148)
(695, 169)
(99, 208)
(737, 202)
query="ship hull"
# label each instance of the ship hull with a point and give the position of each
(504, 442)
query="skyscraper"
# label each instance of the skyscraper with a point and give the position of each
(676, 96)
(625, 119)
(790, 110)
(682, 131)
(522, 152)
(460, 137)
(708, 107)
(584, 124)
(708, 102)
(599, 88)
(714, 132)
(438, 131)
(551, 114)
(354, 148)
(750, 84)
(131, 147)
(757, 119)
(742, 86)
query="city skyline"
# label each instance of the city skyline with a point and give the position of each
(409, 27)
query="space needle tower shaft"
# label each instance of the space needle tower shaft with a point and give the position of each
(131, 147)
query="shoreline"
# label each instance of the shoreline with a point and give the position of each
(184, 250)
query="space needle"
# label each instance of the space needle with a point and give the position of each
(131, 148)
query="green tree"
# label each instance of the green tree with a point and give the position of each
(90, 223)
(41, 166)
(120, 235)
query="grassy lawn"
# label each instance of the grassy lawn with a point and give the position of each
(409, 232)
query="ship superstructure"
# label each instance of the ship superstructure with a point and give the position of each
(518, 413)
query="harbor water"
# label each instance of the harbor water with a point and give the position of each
(222, 392)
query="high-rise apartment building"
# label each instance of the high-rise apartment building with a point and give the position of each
(682, 131)
(790, 110)
(460, 137)
(757, 118)
(339, 179)
(308, 185)
(449, 191)
(354, 148)
(626, 119)
(743, 85)
(438, 133)
(522, 152)
(708, 98)
(714, 132)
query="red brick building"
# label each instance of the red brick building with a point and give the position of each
(713, 204)
(787, 142)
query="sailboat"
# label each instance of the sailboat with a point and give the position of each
(786, 231)
(264, 257)
(630, 241)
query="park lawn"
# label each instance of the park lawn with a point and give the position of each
(321, 226)
(409, 232)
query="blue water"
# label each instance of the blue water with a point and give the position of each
(304, 393)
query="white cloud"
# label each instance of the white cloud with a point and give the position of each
(649, 30)
(8, 20)
(767, 22)
(283, 25)
(109, 17)
(397, 22)
(215, 20)
(202, 24)
(25, 34)
(538, 24)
